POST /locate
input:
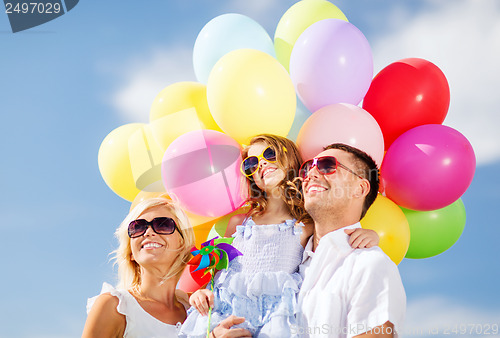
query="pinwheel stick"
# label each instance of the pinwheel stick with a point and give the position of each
(214, 254)
(210, 310)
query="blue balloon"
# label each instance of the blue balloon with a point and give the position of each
(224, 34)
(301, 115)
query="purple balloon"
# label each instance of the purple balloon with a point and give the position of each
(331, 62)
(428, 167)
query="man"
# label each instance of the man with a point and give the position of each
(346, 292)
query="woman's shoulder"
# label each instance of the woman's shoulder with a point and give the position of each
(104, 315)
(109, 298)
(106, 302)
(182, 297)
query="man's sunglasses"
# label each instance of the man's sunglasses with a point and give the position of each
(326, 165)
(160, 225)
(250, 164)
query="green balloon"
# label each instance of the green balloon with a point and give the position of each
(433, 232)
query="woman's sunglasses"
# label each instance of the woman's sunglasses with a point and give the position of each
(326, 165)
(250, 164)
(160, 225)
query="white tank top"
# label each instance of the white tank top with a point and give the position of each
(140, 324)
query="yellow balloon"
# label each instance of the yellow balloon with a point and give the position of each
(295, 21)
(180, 108)
(250, 93)
(387, 219)
(145, 160)
(114, 161)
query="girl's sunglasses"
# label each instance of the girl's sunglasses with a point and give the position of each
(160, 225)
(250, 164)
(326, 165)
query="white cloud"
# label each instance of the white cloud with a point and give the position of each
(462, 38)
(436, 316)
(146, 77)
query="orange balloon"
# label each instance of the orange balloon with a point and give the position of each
(390, 223)
(201, 232)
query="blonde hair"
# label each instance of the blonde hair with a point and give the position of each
(129, 272)
(289, 160)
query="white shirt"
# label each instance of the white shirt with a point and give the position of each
(139, 323)
(346, 291)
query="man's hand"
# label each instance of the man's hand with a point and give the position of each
(223, 330)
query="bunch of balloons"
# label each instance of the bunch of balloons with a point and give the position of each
(190, 149)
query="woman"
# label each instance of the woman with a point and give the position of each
(155, 241)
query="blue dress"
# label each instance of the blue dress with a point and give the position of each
(261, 285)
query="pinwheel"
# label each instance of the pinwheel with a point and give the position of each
(214, 254)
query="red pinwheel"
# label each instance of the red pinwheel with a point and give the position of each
(214, 254)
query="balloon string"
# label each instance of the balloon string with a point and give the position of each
(210, 310)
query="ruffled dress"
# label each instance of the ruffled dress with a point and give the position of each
(261, 285)
(140, 324)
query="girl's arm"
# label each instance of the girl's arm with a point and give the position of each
(307, 231)
(202, 300)
(362, 238)
(233, 222)
(104, 320)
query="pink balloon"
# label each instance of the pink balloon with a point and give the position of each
(428, 167)
(331, 62)
(202, 169)
(341, 123)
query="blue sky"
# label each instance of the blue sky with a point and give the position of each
(66, 84)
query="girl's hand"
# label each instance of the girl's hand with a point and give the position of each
(362, 238)
(202, 300)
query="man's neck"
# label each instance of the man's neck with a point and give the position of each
(322, 229)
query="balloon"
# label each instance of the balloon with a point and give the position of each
(331, 63)
(295, 21)
(201, 232)
(202, 169)
(188, 283)
(224, 34)
(250, 93)
(341, 123)
(406, 94)
(301, 116)
(145, 195)
(387, 219)
(428, 167)
(145, 160)
(178, 109)
(433, 232)
(221, 225)
(114, 161)
(194, 219)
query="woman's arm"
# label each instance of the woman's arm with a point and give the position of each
(104, 320)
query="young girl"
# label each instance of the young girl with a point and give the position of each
(261, 285)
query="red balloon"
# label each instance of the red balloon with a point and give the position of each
(191, 280)
(406, 94)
